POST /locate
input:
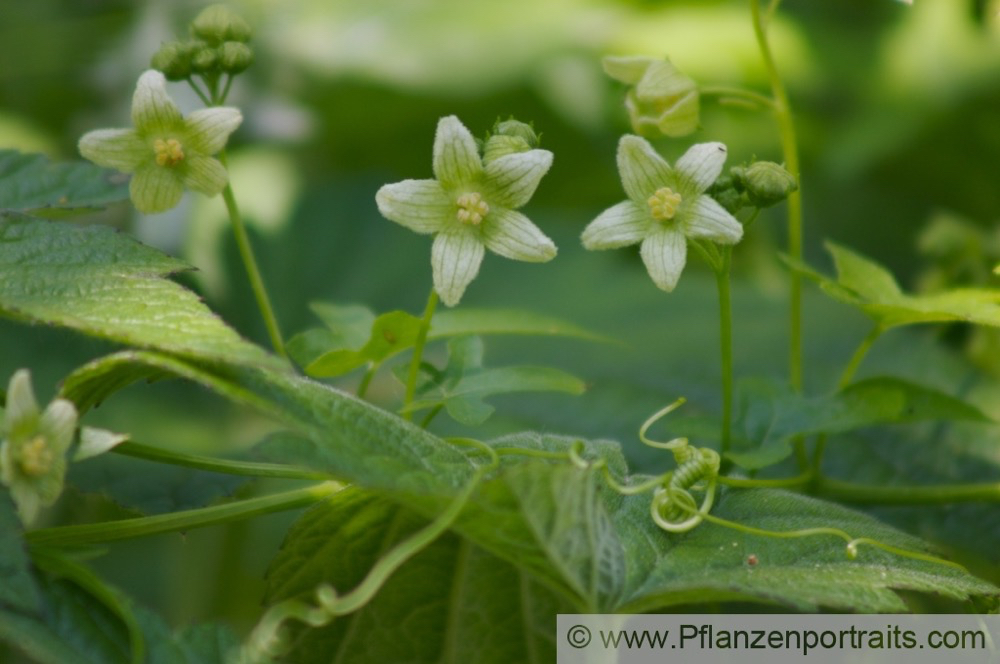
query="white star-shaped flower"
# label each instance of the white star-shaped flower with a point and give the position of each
(666, 206)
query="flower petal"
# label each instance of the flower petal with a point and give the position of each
(512, 235)
(21, 415)
(456, 157)
(664, 253)
(513, 178)
(642, 170)
(709, 220)
(153, 111)
(455, 259)
(204, 174)
(208, 129)
(618, 226)
(701, 165)
(58, 424)
(121, 149)
(626, 68)
(155, 189)
(420, 205)
(27, 500)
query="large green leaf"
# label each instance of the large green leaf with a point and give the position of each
(17, 583)
(30, 184)
(870, 287)
(105, 284)
(451, 603)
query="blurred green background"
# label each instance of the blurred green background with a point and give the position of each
(898, 109)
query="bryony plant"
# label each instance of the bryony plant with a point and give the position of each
(165, 151)
(471, 205)
(666, 207)
(33, 451)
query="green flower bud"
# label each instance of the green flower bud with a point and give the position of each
(517, 129)
(217, 24)
(728, 195)
(765, 182)
(235, 57)
(174, 60)
(500, 145)
(204, 59)
(662, 100)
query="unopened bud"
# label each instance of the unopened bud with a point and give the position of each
(765, 182)
(235, 57)
(217, 24)
(174, 60)
(204, 59)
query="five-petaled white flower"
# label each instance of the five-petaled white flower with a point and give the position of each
(666, 207)
(470, 206)
(33, 451)
(166, 151)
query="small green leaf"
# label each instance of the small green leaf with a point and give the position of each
(30, 184)
(867, 285)
(772, 420)
(464, 384)
(102, 283)
(18, 589)
(457, 322)
(391, 333)
(347, 328)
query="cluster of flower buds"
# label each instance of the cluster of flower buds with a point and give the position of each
(218, 46)
(760, 184)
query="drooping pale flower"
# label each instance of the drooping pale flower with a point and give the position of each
(470, 206)
(661, 99)
(166, 151)
(33, 451)
(666, 206)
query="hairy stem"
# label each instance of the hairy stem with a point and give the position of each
(418, 352)
(250, 263)
(87, 534)
(251, 468)
(790, 151)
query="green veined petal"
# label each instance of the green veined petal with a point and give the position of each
(642, 170)
(456, 158)
(701, 165)
(21, 414)
(619, 226)
(121, 149)
(709, 220)
(420, 205)
(512, 235)
(208, 129)
(153, 111)
(455, 259)
(155, 189)
(58, 423)
(665, 253)
(512, 179)
(204, 174)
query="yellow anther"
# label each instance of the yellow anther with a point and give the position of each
(663, 203)
(168, 152)
(471, 208)
(36, 457)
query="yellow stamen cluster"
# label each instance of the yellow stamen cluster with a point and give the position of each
(472, 208)
(168, 152)
(36, 457)
(663, 203)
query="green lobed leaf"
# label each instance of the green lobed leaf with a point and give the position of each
(340, 347)
(18, 589)
(30, 184)
(463, 384)
(451, 603)
(870, 287)
(105, 284)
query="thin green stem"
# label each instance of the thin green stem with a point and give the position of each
(790, 151)
(201, 95)
(940, 494)
(723, 92)
(796, 482)
(418, 352)
(225, 89)
(726, 345)
(430, 416)
(859, 355)
(230, 467)
(250, 263)
(366, 380)
(88, 534)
